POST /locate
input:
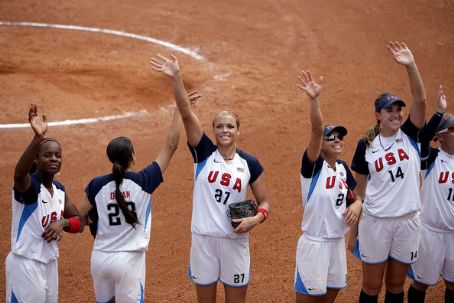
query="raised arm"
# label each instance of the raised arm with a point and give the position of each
(171, 144)
(22, 178)
(171, 69)
(403, 56)
(313, 90)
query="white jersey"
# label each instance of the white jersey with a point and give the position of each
(217, 184)
(437, 192)
(324, 192)
(109, 226)
(393, 166)
(33, 211)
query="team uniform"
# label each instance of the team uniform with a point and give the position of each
(218, 253)
(320, 257)
(436, 252)
(390, 223)
(32, 266)
(118, 257)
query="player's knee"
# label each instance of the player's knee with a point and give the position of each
(418, 286)
(372, 286)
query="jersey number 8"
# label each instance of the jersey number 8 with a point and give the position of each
(114, 212)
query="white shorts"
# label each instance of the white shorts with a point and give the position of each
(320, 264)
(118, 274)
(435, 258)
(28, 280)
(382, 238)
(215, 258)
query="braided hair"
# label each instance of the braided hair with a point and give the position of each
(120, 152)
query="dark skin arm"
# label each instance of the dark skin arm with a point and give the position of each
(22, 179)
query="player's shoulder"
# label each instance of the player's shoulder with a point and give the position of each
(99, 182)
(58, 185)
(246, 156)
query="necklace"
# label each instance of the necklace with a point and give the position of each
(385, 149)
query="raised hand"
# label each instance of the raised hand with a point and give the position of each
(401, 53)
(38, 124)
(194, 96)
(442, 104)
(306, 83)
(165, 66)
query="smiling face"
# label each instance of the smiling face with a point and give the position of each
(225, 129)
(49, 158)
(333, 145)
(390, 119)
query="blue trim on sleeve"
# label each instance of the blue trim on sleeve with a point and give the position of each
(429, 169)
(255, 168)
(30, 196)
(351, 182)
(58, 185)
(309, 168)
(415, 145)
(148, 213)
(312, 187)
(203, 149)
(26, 213)
(199, 168)
(148, 179)
(359, 163)
(410, 129)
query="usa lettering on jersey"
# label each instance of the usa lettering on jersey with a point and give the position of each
(390, 159)
(225, 180)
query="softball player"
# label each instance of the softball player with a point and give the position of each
(436, 251)
(41, 210)
(119, 207)
(321, 263)
(222, 175)
(387, 161)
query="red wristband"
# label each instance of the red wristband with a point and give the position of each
(264, 212)
(74, 225)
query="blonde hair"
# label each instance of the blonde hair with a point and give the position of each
(371, 133)
(229, 113)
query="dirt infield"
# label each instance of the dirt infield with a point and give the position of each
(252, 52)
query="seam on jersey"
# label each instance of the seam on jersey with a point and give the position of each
(312, 186)
(26, 213)
(415, 145)
(429, 169)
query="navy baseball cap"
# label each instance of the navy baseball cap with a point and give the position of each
(387, 100)
(330, 128)
(446, 123)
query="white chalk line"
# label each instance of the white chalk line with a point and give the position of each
(80, 121)
(172, 46)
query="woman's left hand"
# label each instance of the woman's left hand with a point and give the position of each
(351, 214)
(246, 224)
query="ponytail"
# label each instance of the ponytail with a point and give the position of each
(371, 133)
(118, 175)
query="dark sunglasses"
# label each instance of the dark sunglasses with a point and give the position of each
(333, 137)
